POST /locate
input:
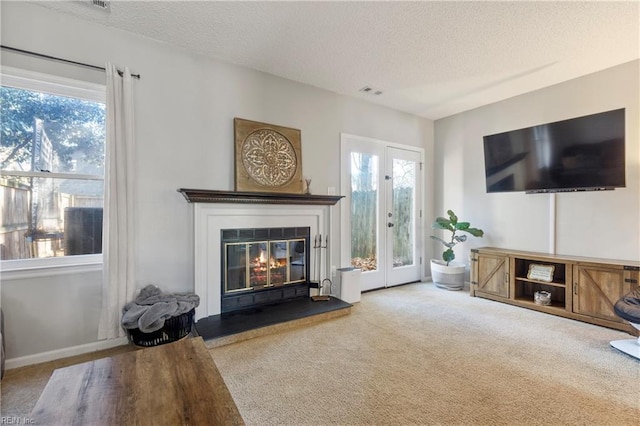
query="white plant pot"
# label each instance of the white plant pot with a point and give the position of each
(447, 277)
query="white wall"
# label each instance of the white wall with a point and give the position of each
(185, 107)
(597, 224)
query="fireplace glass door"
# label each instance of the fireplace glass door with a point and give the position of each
(262, 264)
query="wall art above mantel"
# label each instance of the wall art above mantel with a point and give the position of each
(268, 158)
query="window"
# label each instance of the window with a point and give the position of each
(52, 156)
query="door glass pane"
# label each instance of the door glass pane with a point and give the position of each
(235, 267)
(298, 260)
(404, 183)
(364, 211)
(278, 259)
(259, 259)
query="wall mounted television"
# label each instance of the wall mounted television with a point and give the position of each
(580, 154)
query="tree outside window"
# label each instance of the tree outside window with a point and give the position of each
(52, 152)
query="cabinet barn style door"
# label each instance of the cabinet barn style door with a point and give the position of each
(490, 274)
(580, 288)
(597, 289)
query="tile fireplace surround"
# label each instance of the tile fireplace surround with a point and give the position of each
(217, 210)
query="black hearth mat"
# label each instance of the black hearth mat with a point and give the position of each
(263, 316)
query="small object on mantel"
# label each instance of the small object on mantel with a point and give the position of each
(307, 186)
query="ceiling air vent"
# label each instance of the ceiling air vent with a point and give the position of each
(371, 90)
(102, 4)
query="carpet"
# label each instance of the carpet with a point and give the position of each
(416, 354)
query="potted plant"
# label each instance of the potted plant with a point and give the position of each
(444, 273)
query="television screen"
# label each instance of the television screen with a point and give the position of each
(584, 153)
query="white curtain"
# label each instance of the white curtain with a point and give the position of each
(118, 285)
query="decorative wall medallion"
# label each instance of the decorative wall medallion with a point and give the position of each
(268, 157)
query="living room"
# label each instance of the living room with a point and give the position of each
(185, 104)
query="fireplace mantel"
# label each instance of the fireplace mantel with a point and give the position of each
(215, 211)
(212, 196)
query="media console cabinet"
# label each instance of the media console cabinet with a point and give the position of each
(580, 288)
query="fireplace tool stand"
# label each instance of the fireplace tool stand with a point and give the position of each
(318, 247)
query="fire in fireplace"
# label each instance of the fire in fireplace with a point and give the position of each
(263, 265)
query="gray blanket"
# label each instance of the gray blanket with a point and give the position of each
(628, 307)
(151, 308)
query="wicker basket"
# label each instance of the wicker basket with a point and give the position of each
(174, 329)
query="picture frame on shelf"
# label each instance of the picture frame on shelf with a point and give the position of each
(540, 272)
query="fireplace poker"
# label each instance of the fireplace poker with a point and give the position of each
(316, 270)
(318, 246)
(317, 243)
(328, 280)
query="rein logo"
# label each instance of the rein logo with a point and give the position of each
(15, 420)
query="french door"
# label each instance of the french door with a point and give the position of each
(381, 215)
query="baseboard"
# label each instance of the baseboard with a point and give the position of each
(64, 353)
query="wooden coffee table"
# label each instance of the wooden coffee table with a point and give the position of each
(172, 384)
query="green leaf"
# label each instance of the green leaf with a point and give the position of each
(443, 220)
(448, 256)
(452, 217)
(442, 223)
(462, 226)
(475, 232)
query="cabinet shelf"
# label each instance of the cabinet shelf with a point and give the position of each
(522, 266)
(555, 305)
(553, 284)
(525, 288)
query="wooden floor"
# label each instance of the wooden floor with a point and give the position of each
(171, 384)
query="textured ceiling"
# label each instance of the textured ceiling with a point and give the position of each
(432, 59)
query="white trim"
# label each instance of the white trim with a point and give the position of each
(64, 353)
(50, 175)
(23, 79)
(30, 80)
(21, 268)
(399, 275)
(49, 271)
(349, 141)
(552, 223)
(210, 219)
(383, 143)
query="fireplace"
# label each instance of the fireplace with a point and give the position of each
(215, 211)
(263, 266)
